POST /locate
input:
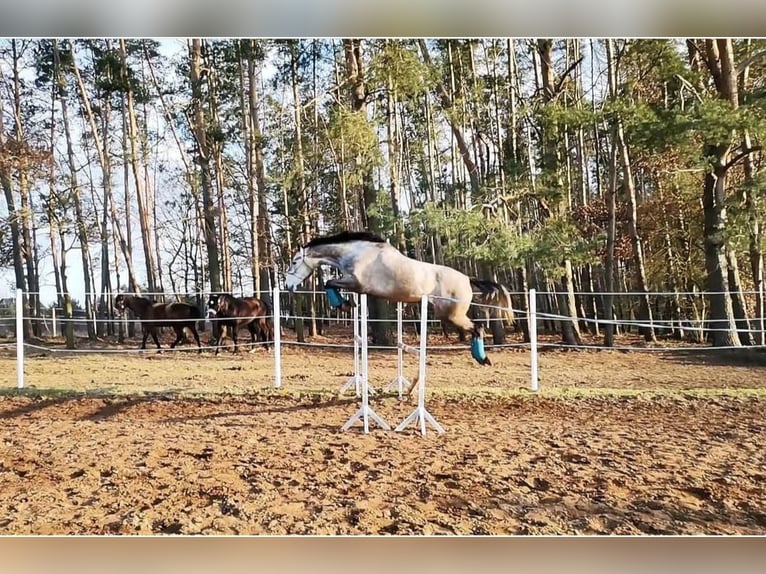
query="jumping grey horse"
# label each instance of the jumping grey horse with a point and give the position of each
(368, 264)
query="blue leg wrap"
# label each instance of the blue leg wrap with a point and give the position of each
(334, 297)
(477, 351)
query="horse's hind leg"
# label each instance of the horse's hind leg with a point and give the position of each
(445, 330)
(194, 333)
(265, 332)
(156, 338)
(145, 337)
(459, 318)
(252, 327)
(179, 336)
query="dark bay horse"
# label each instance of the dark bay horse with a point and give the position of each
(235, 313)
(153, 315)
(368, 264)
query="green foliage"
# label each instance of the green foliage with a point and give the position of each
(559, 239)
(399, 62)
(469, 235)
(382, 212)
(556, 114)
(360, 140)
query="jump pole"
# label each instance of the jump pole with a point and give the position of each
(420, 414)
(355, 379)
(19, 339)
(365, 412)
(277, 338)
(400, 380)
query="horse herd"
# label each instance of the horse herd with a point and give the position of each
(367, 264)
(231, 313)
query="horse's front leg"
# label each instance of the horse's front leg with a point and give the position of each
(219, 339)
(346, 282)
(234, 330)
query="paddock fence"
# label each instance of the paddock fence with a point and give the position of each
(676, 335)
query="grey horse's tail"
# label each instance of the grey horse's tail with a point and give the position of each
(495, 294)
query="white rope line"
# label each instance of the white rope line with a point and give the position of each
(189, 347)
(652, 325)
(141, 321)
(654, 349)
(192, 348)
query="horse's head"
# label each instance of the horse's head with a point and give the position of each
(302, 265)
(212, 304)
(119, 304)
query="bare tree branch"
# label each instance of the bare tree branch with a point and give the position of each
(741, 155)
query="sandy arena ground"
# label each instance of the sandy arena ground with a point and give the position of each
(176, 443)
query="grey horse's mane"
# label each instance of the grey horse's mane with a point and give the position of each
(345, 237)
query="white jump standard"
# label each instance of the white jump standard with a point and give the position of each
(420, 414)
(400, 381)
(365, 412)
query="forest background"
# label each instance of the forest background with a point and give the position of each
(584, 168)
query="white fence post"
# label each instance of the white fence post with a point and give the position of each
(53, 320)
(19, 339)
(277, 337)
(532, 325)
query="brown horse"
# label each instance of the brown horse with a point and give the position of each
(154, 315)
(235, 313)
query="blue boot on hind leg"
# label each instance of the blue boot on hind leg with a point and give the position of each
(477, 348)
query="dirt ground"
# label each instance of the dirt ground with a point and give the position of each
(176, 443)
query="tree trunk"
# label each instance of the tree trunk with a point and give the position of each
(645, 309)
(394, 165)
(25, 212)
(80, 223)
(720, 60)
(303, 302)
(674, 280)
(551, 162)
(739, 306)
(611, 232)
(248, 102)
(143, 208)
(198, 126)
(262, 217)
(754, 228)
(101, 145)
(14, 219)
